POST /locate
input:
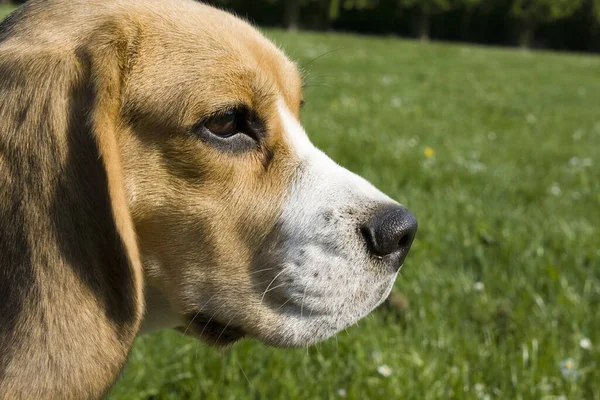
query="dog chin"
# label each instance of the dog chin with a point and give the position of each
(293, 325)
(291, 333)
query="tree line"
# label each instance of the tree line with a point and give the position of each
(558, 24)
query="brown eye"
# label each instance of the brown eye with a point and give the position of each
(234, 129)
(223, 125)
(302, 103)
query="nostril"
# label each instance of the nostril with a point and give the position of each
(369, 237)
(405, 241)
(390, 230)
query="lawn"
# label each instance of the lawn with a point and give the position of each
(497, 153)
(5, 10)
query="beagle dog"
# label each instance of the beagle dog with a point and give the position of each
(154, 173)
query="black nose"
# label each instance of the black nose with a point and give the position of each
(390, 231)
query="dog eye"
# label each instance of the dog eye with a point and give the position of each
(234, 129)
(224, 125)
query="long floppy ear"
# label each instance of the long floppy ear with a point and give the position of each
(70, 275)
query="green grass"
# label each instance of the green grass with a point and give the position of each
(503, 279)
(5, 10)
(511, 199)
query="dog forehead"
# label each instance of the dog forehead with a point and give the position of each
(207, 59)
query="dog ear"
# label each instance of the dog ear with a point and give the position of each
(70, 274)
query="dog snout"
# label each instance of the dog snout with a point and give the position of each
(390, 231)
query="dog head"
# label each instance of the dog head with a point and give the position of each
(243, 224)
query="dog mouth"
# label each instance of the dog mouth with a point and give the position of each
(211, 331)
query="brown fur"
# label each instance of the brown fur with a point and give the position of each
(99, 176)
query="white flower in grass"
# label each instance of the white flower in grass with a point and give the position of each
(413, 141)
(479, 287)
(585, 343)
(555, 189)
(342, 393)
(387, 80)
(568, 369)
(396, 102)
(384, 370)
(480, 391)
(574, 162)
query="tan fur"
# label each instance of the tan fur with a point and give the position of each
(99, 176)
(199, 213)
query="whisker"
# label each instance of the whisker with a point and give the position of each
(211, 317)
(284, 303)
(245, 376)
(263, 282)
(315, 85)
(267, 289)
(274, 287)
(222, 380)
(321, 56)
(191, 322)
(200, 310)
(226, 326)
(261, 270)
(208, 322)
(318, 351)
(201, 333)
(302, 303)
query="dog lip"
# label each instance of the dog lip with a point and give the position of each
(214, 332)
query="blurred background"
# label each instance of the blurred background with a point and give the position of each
(554, 24)
(495, 149)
